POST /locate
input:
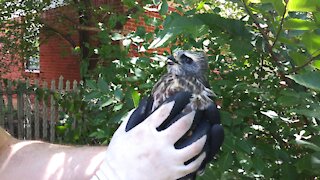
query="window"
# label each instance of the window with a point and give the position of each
(33, 64)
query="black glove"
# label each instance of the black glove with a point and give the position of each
(205, 122)
(209, 124)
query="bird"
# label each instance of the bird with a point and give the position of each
(186, 72)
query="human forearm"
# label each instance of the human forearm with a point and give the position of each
(38, 160)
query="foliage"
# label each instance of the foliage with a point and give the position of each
(271, 122)
(264, 67)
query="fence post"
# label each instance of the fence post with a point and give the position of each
(60, 89)
(10, 108)
(45, 113)
(20, 107)
(75, 122)
(36, 112)
(52, 112)
(1, 106)
(28, 111)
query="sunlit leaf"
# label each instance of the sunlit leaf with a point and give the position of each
(309, 79)
(299, 24)
(107, 103)
(135, 98)
(303, 5)
(312, 43)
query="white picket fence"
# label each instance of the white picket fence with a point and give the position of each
(25, 115)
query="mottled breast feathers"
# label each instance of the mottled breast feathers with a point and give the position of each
(169, 84)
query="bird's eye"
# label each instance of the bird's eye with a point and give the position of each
(186, 59)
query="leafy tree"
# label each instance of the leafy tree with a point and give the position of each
(264, 68)
(264, 60)
(22, 21)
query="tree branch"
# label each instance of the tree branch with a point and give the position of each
(64, 36)
(263, 33)
(310, 60)
(281, 25)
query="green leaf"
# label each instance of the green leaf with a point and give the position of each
(118, 94)
(117, 37)
(91, 84)
(310, 79)
(201, 5)
(277, 4)
(312, 42)
(103, 85)
(298, 58)
(107, 103)
(135, 98)
(175, 25)
(316, 64)
(225, 161)
(316, 16)
(299, 24)
(304, 5)
(117, 107)
(312, 113)
(252, 1)
(164, 7)
(308, 145)
(156, 2)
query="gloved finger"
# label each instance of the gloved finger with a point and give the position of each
(213, 144)
(212, 114)
(201, 130)
(214, 141)
(140, 114)
(191, 176)
(181, 100)
(193, 151)
(179, 128)
(216, 137)
(197, 118)
(194, 165)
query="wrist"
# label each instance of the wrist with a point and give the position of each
(106, 172)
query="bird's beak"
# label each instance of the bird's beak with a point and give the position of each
(171, 60)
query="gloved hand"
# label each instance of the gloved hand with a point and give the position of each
(142, 152)
(209, 124)
(205, 122)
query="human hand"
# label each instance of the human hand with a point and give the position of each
(208, 124)
(205, 122)
(142, 152)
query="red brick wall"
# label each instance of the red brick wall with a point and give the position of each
(56, 59)
(56, 56)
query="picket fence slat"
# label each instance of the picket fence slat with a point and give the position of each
(36, 114)
(28, 120)
(45, 114)
(2, 110)
(52, 113)
(28, 110)
(10, 108)
(20, 111)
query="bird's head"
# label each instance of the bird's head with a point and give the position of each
(188, 63)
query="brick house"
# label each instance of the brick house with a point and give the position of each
(56, 56)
